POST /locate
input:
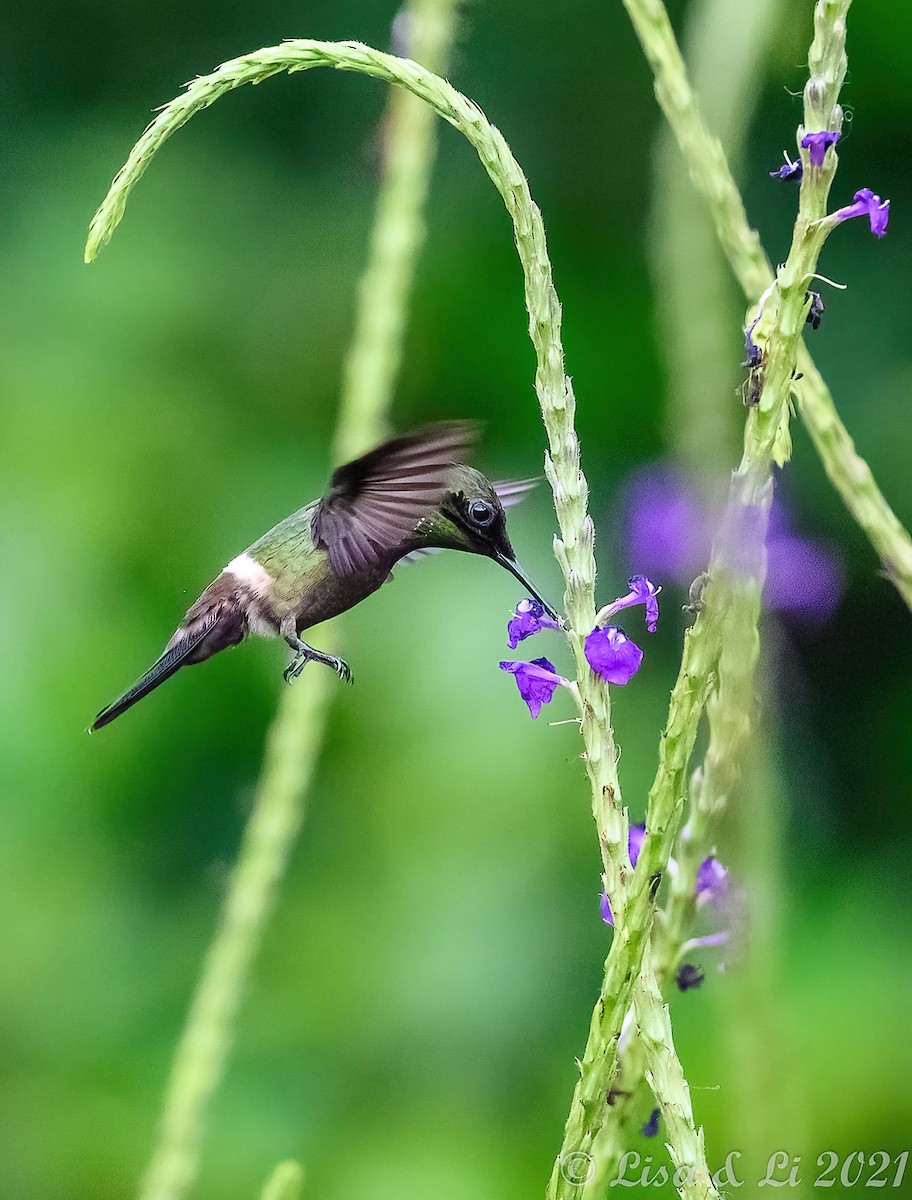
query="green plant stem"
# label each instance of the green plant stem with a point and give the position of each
(285, 1183)
(409, 137)
(726, 47)
(296, 737)
(709, 171)
(720, 652)
(291, 751)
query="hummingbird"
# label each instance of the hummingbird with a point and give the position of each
(408, 496)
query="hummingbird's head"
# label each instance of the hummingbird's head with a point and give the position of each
(472, 518)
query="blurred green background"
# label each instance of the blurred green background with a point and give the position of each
(430, 971)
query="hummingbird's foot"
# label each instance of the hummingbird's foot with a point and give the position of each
(305, 654)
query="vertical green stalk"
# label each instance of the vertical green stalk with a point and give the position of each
(696, 312)
(291, 752)
(710, 174)
(720, 652)
(296, 737)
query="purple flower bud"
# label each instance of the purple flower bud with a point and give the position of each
(867, 204)
(789, 170)
(636, 835)
(753, 355)
(651, 1128)
(612, 655)
(815, 312)
(528, 618)
(537, 682)
(688, 976)
(712, 881)
(605, 909)
(816, 144)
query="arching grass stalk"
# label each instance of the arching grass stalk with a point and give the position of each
(296, 736)
(709, 170)
(574, 548)
(721, 650)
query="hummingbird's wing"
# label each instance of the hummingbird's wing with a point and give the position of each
(513, 491)
(376, 502)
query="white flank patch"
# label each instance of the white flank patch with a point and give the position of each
(247, 570)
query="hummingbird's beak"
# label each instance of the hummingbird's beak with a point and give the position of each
(514, 568)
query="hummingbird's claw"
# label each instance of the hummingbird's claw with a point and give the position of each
(294, 668)
(303, 657)
(343, 670)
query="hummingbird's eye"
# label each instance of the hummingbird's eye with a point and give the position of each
(481, 512)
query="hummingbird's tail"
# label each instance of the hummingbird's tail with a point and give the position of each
(187, 646)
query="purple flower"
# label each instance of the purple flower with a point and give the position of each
(669, 530)
(712, 881)
(867, 204)
(651, 1128)
(641, 592)
(529, 617)
(688, 976)
(789, 170)
(816, 144)
(612, 655)
(537, 681)
(605, 909)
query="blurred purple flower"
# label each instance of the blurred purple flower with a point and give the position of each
(612, 655)
(789, 170)
(816, 145)
(712, 881)
(867, 204)
(529, 617)
(651, 1128)
(537, 682)
(669, 531)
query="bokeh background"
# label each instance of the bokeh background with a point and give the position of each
(429, 974)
